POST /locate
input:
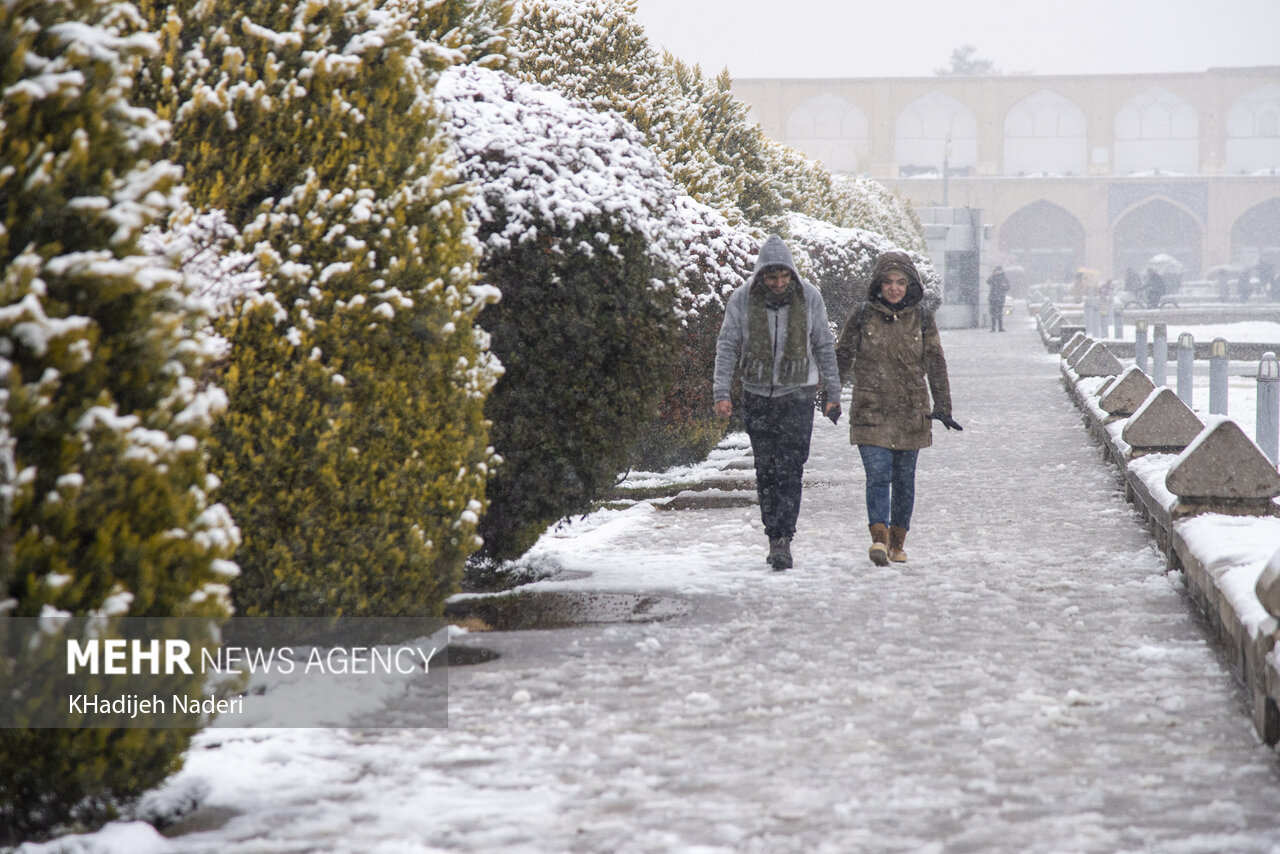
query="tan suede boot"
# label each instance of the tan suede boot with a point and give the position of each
(879, 551)
(897, 539)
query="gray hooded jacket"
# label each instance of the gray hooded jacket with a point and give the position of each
(731, 346)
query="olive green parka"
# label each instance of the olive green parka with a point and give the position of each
(894, 359)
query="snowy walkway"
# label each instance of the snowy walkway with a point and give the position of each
(1030, 682)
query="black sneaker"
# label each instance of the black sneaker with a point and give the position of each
(780, 553)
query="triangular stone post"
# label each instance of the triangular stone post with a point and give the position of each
(1098, 361)
(1223, 471)
(1077, 340)
(1127, 393)
(1162, 425)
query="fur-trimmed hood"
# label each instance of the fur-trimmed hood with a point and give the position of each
(901, 262)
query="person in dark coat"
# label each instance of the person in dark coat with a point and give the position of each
(1153, 288)
(891, 351)
(998, 289)
(775, 327)
(1133, 284)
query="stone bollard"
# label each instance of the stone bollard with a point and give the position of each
(1096, 361)
(1159, 354)
(1127, 394)
(1140, 345)
(1071, 344)
(1218, 376)
(1186, 367)
(1092, 319)
(1268, 586)
(1268, 425)
(1223, 471)
(1163, 424)
(1078, 349)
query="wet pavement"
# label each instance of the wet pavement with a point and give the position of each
(1031, 681)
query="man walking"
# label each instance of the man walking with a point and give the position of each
(775, 327)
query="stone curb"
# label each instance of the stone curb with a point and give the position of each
(1249, 637)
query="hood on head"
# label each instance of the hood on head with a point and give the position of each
(774, 253)
(900, 261)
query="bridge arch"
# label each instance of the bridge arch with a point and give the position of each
(1253, 133)
(933, 127)
(1157, 131)
(1154, 226)
(829, 129)
(1044, 134)
(1255, 235)
(1044, 239)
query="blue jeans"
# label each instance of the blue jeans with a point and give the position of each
(891, 485)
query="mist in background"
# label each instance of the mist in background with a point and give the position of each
(914, 38)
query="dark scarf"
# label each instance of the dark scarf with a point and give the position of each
(794, 368)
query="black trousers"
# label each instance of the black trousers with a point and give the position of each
(779, 429)
(997, 314)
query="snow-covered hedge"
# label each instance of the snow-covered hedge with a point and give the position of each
(839, 262)
(716, 259)
(106, 500)
(354, 451)
(582, 236)
(596, 52)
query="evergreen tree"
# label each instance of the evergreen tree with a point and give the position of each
(595, 51)
(743, 149)
(965, 62)
(103, 485)
(354, 452)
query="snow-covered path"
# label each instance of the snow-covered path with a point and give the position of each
(1031, 681)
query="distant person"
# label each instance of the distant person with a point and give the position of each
(1245, 286)
(1224, 285)
(775, 327)
(1266, 279)
(890, 350)
(1270, 280)
(1133, 284)
(998, 289)
(1153, 288)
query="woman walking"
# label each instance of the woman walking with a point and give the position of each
(891, 351)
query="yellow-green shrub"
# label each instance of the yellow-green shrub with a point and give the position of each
(103, 485)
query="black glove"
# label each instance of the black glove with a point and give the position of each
(834, 414)
(947, 422)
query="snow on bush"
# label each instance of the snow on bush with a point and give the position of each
(201, 245)
(582, 235)
(354, 451)
(717, 259)
(839, 262)
(106, 499)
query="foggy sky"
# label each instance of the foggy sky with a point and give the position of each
(911, 38)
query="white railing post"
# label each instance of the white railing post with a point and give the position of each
(1218, 378)
(1268, 432)
(1140, 345)
(1160, 355)
(1186, 367)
